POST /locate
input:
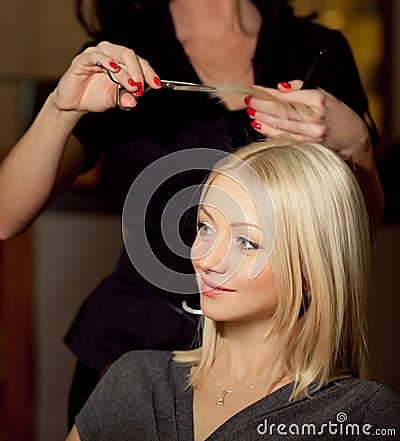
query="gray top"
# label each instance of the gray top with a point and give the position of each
(144, 396)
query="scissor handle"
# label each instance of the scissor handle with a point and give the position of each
(120, 91)
(112, 77)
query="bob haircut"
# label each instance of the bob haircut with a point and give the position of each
(320, 262)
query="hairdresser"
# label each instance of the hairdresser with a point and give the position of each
(241, 42)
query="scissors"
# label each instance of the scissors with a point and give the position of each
(166, 84)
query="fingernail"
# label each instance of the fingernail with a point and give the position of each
(139, 92)
(247, 100)
(157, 81)
(250, 111)
(285, 85)
(113, 65)
(256, 125)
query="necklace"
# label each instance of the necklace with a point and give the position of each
(216, 78)
(224, 392)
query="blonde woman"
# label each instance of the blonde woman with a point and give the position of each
(281, 258)
(244, 42)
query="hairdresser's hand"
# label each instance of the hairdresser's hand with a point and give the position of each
(86, 87)
(320, 117)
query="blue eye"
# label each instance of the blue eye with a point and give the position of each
(204, 229)
(247, 244)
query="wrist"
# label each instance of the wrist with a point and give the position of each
(72, 115)
(356, 149)
(365, 158)
(56, 119)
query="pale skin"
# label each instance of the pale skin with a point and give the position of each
(228, 245)
(48, 158)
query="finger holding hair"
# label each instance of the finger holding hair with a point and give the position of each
(270, 125)
(289, 109)
(289, 86)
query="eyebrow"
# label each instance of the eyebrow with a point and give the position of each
(232, 224)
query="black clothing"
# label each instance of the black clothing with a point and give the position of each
(126, 311)
(145, 396)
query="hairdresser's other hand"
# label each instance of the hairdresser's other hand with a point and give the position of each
(330, 121)
(86, 87)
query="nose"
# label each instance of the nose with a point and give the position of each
(210, 255)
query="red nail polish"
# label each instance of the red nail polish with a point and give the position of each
(113, 65)
(256, 125)
(250, 111)
(132, 83)
(285, 85)
(140, 89)
(157, 81)
(247, 100)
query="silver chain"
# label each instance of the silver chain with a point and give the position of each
(224, 392)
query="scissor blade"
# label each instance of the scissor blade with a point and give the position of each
(188, 87)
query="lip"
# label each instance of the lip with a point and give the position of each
(211, 289)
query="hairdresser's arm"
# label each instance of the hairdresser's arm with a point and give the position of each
(38, 164)
(47, 159)
(331, 123)
(73, 435)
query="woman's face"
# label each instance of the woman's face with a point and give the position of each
(231, 263)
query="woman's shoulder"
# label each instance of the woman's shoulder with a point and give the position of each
(365, 390)
(371, 400)
(379, 394)
(378, 404)
(306, 31)
(149, 365)
(148, 361)
(367, 387)
(143, 373)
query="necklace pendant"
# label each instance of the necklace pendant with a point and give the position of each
(221, 401)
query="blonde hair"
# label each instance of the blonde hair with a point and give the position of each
(320, 262)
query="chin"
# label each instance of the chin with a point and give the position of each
(218, 314)
(222, 314)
